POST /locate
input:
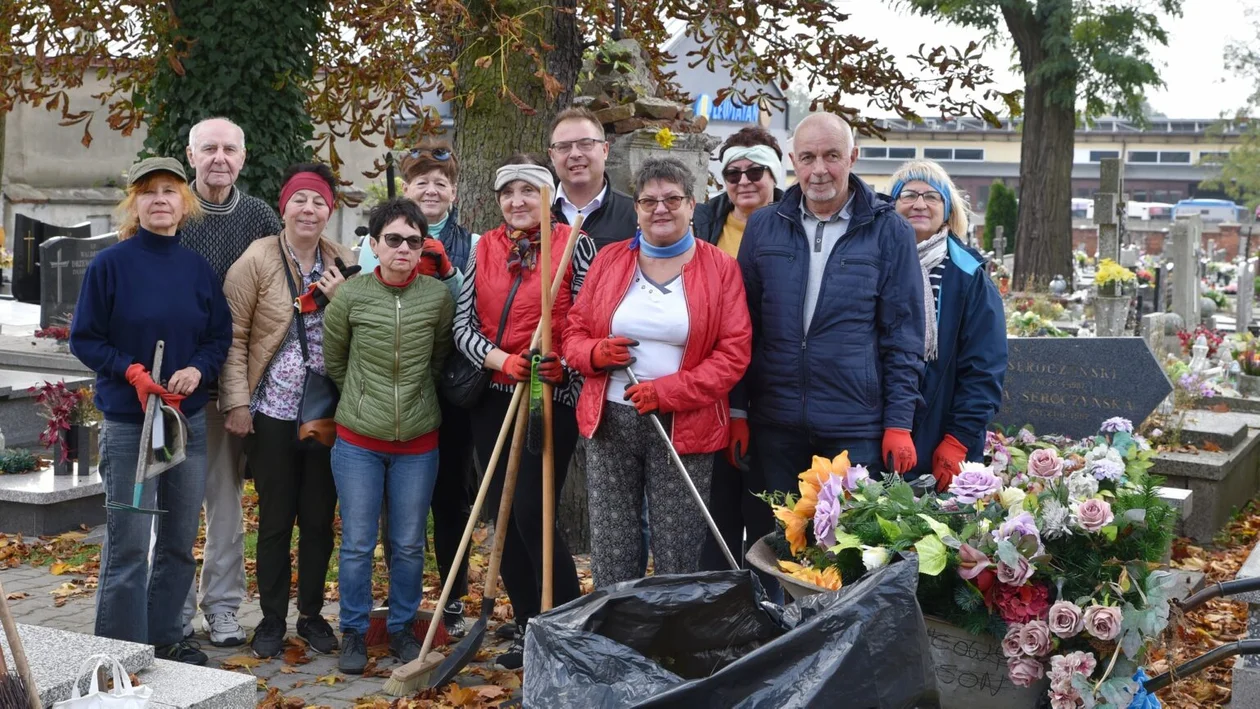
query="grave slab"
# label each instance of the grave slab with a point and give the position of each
(28, 235)
(20, 417)
(1224, 430)
(189, 687)
(55, 655)
(63, 264)
(42, 503)
(1246, 674)
(1221, 482)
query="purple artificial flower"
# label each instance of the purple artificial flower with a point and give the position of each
(974, 483)
(1107, 469)
(1016, 575)
(855, 476)
(827, 511)
(1023, 523)
(1117, 424)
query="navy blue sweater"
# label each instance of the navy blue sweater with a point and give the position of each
(139, 291)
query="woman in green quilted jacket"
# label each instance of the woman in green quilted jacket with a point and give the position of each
(386, 337)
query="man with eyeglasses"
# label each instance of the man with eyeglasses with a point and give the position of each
(835, 292)
(578, 151)
(233, 220)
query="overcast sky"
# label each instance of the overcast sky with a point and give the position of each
(1192, 65)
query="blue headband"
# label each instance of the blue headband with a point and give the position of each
(900, 185)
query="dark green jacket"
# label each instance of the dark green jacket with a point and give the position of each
(384, 346)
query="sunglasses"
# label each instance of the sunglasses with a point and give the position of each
(755, 173)
(439, 154)
(393, 241)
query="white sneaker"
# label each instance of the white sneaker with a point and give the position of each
(223, 629)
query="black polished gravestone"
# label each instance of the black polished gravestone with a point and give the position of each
(28, 235)
(63, 261)
(1070, 385)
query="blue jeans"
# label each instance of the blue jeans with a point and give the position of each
(137, 601)
(363, 477)
(778, 454)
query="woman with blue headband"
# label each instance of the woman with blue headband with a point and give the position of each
(966, 328)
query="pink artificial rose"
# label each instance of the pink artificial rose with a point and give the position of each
(1034, 638)
(1093, 514)
(1068, 699)
(1010, 644)
(1065, 619)
(1015, 575)
(1045, 463)
(1025, 671)
(1103, 622)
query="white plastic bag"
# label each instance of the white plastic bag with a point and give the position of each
(124, 696)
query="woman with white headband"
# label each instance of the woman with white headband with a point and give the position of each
(495, 316)
(966, 328)
(751, 164)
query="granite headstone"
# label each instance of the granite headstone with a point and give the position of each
(28, 235)
(1068, 386)
(63, 262)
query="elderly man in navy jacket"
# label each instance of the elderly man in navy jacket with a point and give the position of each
(836, 296)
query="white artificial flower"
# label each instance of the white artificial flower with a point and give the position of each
(1011, 497)
(984, 526)
(874, 557)
(1054, 519)
(1082, 485)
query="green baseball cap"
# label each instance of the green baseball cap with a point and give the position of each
(149, 166)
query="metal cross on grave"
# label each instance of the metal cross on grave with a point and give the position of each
(30, 242)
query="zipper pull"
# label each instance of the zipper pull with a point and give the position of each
(398, 302)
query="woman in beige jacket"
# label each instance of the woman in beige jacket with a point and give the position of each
(260, 392)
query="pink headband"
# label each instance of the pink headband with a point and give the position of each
(305, 181)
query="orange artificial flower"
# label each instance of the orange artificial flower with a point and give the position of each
(794, 527)
(811, 481)
(828, 578)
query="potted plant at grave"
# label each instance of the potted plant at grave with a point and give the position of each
(1111, 308)
(15, 461)
(1044, 554)
(1249, 371)
(73, 421)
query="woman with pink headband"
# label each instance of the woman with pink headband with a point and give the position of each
(260, 393)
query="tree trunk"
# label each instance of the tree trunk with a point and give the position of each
(1043, 246)
(492, 128)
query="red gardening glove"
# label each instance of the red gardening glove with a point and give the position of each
(643, 397)
(946, 461)
(517, 366)
(138, 377)
(306, 302)
(899, 449)
(433, 260)
(550, 370)
(737, 449)
(613, 353)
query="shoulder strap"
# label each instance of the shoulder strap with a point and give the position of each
(507, 305)
(297, 315)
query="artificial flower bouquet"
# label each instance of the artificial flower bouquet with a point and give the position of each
(1051, 545)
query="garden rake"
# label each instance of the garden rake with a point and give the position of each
(160, 449)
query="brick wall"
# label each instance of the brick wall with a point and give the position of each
(1151, 240)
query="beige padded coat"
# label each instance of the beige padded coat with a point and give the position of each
(262, 310)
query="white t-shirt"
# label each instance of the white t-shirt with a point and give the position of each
(656, 316)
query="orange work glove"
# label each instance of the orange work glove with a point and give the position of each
(550, 370)
(613, 353)
(643, 397)
(433, 260)
(898, 451)
(139, 377)
(518, 367)
(947, 459)
(737, 448)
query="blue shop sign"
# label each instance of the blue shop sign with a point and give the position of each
(729, 110)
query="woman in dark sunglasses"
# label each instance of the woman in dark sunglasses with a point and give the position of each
(751, 163)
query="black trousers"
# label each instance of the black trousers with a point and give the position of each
(734, 509)
(453, 493)
(294, 485)
(522, 551)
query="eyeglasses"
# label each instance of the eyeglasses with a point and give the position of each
(755, 173)
(648, 204)
(931, 198)
(393, 241)
(439, 154)
(586, 145)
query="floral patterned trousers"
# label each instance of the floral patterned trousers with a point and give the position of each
(625, 455)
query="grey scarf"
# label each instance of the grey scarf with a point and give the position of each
(931, 254)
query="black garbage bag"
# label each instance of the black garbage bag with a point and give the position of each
(714, 640)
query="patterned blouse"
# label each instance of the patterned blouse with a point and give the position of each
(280, 394)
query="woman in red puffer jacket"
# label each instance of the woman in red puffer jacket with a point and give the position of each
(672, 307)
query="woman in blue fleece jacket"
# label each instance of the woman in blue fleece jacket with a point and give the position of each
(148, 288)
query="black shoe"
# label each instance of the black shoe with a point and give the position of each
(318, 634)
(453, 619)
(268, 638)
(514, 658)
(185, 651)
(403, 644)
(353, 653)
(507, 631)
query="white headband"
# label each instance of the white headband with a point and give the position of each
(536, 175)
(760, 154)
